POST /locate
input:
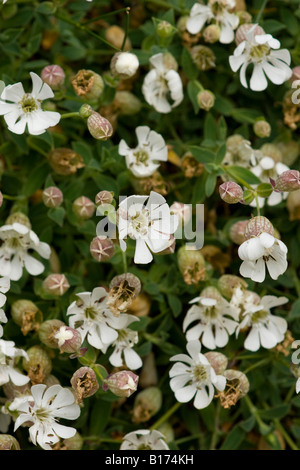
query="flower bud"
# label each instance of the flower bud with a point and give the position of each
(237, 232)
(126, 103)
(241, 32)
(88, 84)
(56, 284)
(288, 181)
(104, 197)
(54, 76)
(83, 207)
(167, 431)
(102, 248)
(72, 443)
(217, 360)
(140, 306)
(231, 192)
(290, 151)
(65, 161)
(293, 205)
(115, 35)
(244, 17)
(258, 225)
(38, 365)
(147, 403)
(211, 33)
(19, 218)
(8, 442)
(262, 128)
(164, 29)
(47, 332)
(124, 65)
(27, 315)
(191, 264)
(122, 290)
(121, 384)
(237, 386)
(99, 127)
(203, 57)
(227, 284)
(52, 196)
(272, 151)
(148, 374)
(84, 383)
(68, 339)
(85, 111)
(205, 99)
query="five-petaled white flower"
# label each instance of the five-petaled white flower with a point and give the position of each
(266, 330)
(91, 316)
(144, 159)
(48, 405)
(4, 287)
(146, 219)
(194, 377)
(22, 109)
(144, 439)
(17, 239)
(217, 11)
(8, 371)
(214, 320)
(261, 50)
(162, 86)
(257, 252)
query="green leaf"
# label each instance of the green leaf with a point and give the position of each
(101, 408)
(245, 115)
(193, 90)
(210, 184)
(242, 174)
(188, 65)
(234, 438)
(203, 155)
(276, 412)
(36, 180)
(264, 190)
(57, 214)
(175, 304)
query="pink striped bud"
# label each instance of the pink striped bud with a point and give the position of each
(99, 127)
(56, 284)
(231, 192)
(52, 196)
(102, 248)
(288, 181)
(54, 76)
(83, 207)
(104, 197)
(121, 384)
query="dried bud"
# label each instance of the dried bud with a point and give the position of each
(84, 383)
(241, 32)
(237, 232)
(121, 384)
(56, 284)
(258, 225)
(217, 360)
(147, 403)
(115, 35)
(211, 33)
(19, 218)
(83, 207)
(228, 283)
(191, 264)
(237, 386)
(99, 127)
(231, 192)
(203, 57)
(122, 290)
(52, 196)
(126, 103)
(54, 76)
(38, 365)
(65, 161)
(124, 65)
(205, 99)
(262, 128)
(104, 197)
(47, 332)
(8, 442)
(68, 339)
(27, 315)
(88, 84)
(102, 248)
(190, 166)
(288, 181)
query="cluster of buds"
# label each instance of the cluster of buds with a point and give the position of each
(122, 384)
(231, 192)
(52, 197)
(54, 76)
(123, 289)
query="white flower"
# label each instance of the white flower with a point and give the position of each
(17, 239)
(257, 252)
(243, 299)
(123, 347)
(217, 10)
(126, 64)
(215, 319)
(47, 405)
(267, 168)
(146, 219)
(21, 109)
(144, 439)
(194, 377)
(91, 316)
(266, 330)
(8, 372)
(298, 385)
(144, 159)
(161, 84)
(4, 287)
(261, 50)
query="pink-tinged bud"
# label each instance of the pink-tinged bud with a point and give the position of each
(237, 232)
(68, 339)
(217, 360)
(104, 197)
(170, 248)
(296, 74)
(99, 127)
(56, 284)
(8, 442)
(1, 199)
(52, 196)
(231, 192)
(205, 99)
(241, 32)
(288, 181)
(54, 76)
(183, 211)
(102, 248)
(258, 225)
(83, 207)
(84, 383)
(121, 384)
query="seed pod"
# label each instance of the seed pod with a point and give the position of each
(52, 197)
(115, 35)
(88, 84)
(54, 76)
(47, 332)
(73, 443)
(102, 248)
(203, 57)
(218, 361)
(211, 33)
(126, 103)
(191, 264)
(65, 161)
(231, 192)
(258, 225)
(140, 306)
(121, 384)
(237, 386)
(122, 290)
(262, 128)
(227, 283)
(20, 218)
(84, 383)
(38, 365)
(147, 403)
(27, 315)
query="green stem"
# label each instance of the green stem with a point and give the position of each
(106, 15)
(68, 115)
(257, 203)
(124, 259)
(296, 280)
(216, 430)
(13, 198)
(126, 29)
(286, 436)
(161, 3)
(259, 14)
(240, 180)
(257, 364)
(166, 416)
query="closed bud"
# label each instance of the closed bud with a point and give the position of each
(126, 103)
(85, 111)
(237, 386)
(262, 128)
(140, 306)
(231, 192)
(211, 33)
(68, 339)
(203, 57)
(205, 99)
(55, 284)
(147, 403)
(227, 284)
(241, 32)
(167, 431)
(47, 332)
(88, 84)
(54, 76)
(65, 161)
(83, 207)
(104, 197)
(290, 151)
(84, 383)
(102, 248)
(217, 360)
(288, 181)
(72, 443)
(258, 225)
(124, 65)
(191, 264)
(164, 29)
(27, 315)
(8, 442)
(99, 127)
(19, 218)
(115, 35)
(121, 384)
(52, 196)
(244, 17)
(273, 151)
(38, 365)
(237, 232)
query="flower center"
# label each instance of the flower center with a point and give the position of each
(259, 52)
(211, 312)
(90, 312)
(28, 104)
(141, 156)
(200, 373)
(138, 224)
(259, 316)
(144, 446)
